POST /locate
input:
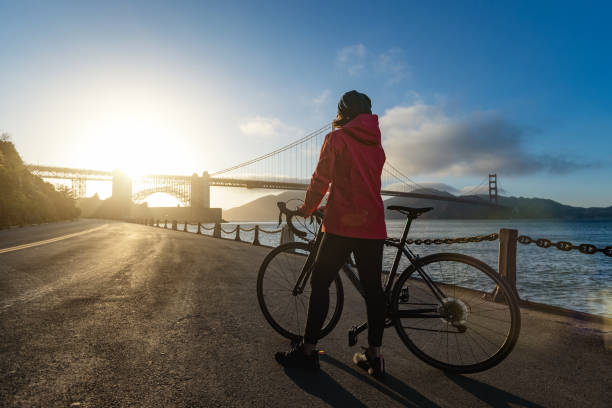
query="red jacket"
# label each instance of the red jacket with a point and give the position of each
(351, 160)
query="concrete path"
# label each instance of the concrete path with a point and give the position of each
(129, 315)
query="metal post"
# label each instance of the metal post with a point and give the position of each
(506, 262)
(217, 230)
(185, 227)
(166, 224)
(199, 230)
(237, 233)
(256, 237)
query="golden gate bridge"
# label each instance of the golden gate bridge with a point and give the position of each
(287, 168)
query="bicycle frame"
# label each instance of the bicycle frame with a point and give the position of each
(348, 268)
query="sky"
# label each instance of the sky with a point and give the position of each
(521, 89)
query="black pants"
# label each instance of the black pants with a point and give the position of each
(333, 252)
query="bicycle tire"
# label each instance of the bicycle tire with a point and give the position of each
(457, 315)
(294, 330)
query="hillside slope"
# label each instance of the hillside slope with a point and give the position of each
(264, 208)
(510, 207)
(26, 198)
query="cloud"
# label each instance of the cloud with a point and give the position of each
(422, 185)
(480, 189)
(356, 60)
(392, 65)
(439, 186)
(321, 98)
(352, 58)
(266, 127)
(422, 139)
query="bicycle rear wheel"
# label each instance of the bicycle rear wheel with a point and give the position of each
(285, 310)
(458, 315)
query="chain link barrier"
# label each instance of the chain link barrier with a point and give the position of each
(270, 232)
(439, 241)
(242, 229)
(565, 246)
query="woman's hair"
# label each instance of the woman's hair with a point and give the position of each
(350, 105)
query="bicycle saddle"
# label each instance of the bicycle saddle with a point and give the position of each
(409, 211)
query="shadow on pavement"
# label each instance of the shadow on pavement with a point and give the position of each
(390, 386)
(321, 385)
(489, 394)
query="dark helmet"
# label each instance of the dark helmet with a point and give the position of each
(353, 103)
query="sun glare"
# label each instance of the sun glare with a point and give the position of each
(133, 145)
(161, 200)
(136, 132)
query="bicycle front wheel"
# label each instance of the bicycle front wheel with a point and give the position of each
(283, 307)
(456, 313)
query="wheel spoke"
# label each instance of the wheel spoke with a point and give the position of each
(465, 329)
(275, 290)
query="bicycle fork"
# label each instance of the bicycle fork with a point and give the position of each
(301, 282)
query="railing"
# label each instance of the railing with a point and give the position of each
(217, 229)
(508, 240)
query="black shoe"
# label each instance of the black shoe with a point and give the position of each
(375, 366)
(295, 358)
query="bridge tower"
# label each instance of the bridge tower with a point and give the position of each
(122, 190)
(493, 187)
(200, 191)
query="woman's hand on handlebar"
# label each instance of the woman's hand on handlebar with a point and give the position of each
(289, 214)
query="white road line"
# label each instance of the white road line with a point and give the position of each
(49, 241)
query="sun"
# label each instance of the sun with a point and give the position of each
(133, 144)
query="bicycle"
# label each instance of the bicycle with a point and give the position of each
(452, 311)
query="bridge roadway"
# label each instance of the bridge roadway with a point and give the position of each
(128, 315)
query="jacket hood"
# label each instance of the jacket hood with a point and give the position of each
(364, 128)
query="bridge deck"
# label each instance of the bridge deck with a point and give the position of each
(140, 316)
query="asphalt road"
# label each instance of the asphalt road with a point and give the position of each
(129, 315)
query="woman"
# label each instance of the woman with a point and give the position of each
(351, 160)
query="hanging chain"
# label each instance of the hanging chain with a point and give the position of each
(588, 249)
(440, 241)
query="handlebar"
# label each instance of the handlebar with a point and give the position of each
(289, 214)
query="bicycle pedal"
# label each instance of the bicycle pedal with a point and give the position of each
(352, 336)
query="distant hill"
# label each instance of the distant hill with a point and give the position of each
(264, 208)
(510, 207)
